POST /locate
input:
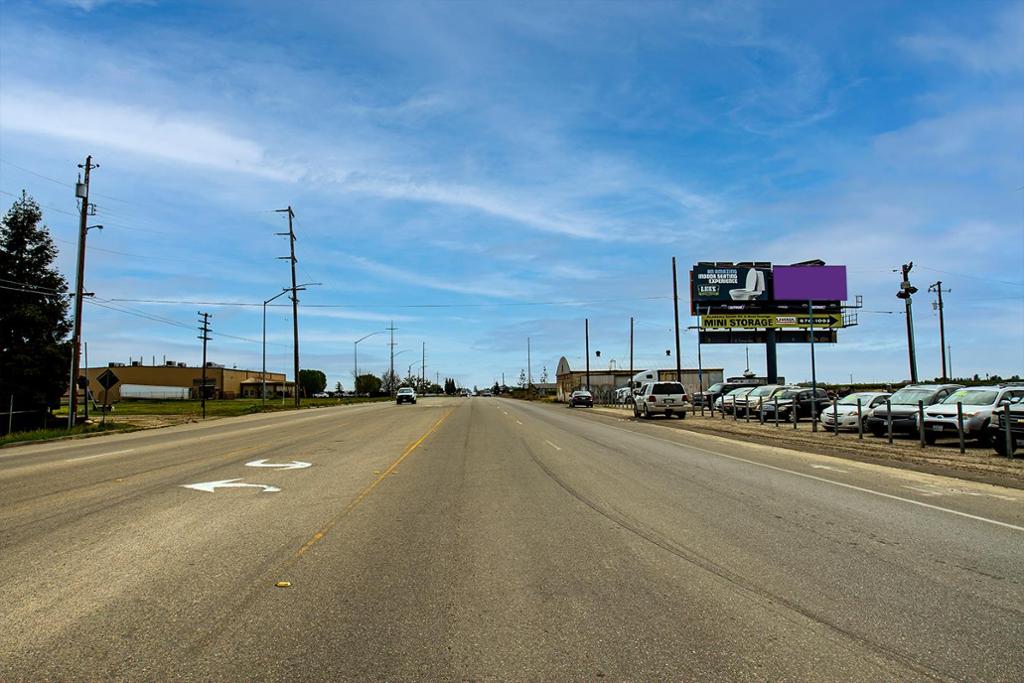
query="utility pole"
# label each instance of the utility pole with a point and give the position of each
(630, 354)
(906, 290)
(675, 303)
(586, 341)
(391, 344)
(937, 288)
(423, 366)
(204, 329)
(529, 369)
(82, 192)
(814, 377)
(295, 295)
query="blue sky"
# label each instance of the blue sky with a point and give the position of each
(456, 167)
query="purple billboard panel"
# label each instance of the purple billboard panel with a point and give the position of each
(806, 283)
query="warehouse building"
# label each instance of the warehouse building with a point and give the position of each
(603, 381)
(156, 381)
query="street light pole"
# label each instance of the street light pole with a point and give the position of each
(355, 356)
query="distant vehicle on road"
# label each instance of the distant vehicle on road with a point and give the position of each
(405, 395)
(660, 398)
(977, 403)
(321, 394)
(845, 412)
(903, 412)
(581, 398)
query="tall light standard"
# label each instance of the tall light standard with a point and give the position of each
(355, 356)
(263, 375)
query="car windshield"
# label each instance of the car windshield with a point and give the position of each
(743, 391)
(852, 399)
(581, 393)
(972, 397)
(763, 391)
(910, 397)
(788, 393)
(668, 388)
(715, 388)
(405, 390)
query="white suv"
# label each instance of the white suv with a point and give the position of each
(977, 404)
(660, 398)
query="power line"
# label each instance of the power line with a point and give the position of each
(973, 277)
(504, 304)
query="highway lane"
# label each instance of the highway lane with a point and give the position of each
(495, 540)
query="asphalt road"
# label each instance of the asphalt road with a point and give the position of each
(489, 539)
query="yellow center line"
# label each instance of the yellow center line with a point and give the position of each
(363, 494)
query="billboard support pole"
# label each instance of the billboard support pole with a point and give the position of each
(814, 376)
(771, 359)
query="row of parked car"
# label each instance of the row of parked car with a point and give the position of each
(981, 409)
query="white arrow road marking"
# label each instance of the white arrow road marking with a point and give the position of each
(228, 484)
(293, 465)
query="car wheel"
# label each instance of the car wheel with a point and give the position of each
(647, 412)
(999, 443)
(878, 431)
(929, 438)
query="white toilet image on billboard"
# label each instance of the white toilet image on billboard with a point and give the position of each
(755, 287)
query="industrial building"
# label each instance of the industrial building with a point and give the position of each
(154, 381)
(604, 380)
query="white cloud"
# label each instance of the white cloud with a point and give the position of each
(999, 52)
(173, 136)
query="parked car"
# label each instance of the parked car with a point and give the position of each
(405, 395)
(624, 395)
(321, 394)
(904, 407)
(845, 409)
(710, 396)
(798, 396)
(977, 405)
(664, 398)
(727, 402)
(997, 430)
(753, 401)
(581, 398)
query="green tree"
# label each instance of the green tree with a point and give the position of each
(312, 381)
(368, 384)
(522, 378)
(34, 323)
(390, 382)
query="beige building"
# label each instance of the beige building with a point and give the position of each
(222, 382)
(603, 381)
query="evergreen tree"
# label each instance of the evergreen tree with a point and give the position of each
(34, 323)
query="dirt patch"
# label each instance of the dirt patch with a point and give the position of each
(978, 463)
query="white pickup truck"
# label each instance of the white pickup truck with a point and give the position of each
(660, 398)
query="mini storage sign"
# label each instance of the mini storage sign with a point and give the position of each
(746, 321)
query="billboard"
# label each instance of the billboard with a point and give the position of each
(753, 321)
(718, 284)
(809, 283)
(740, 336)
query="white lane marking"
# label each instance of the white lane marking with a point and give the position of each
(552, 445)
(828, 467)
(504, 412)
(890, 496)
(211, 486)
(931, 490)
(293, 465)
(100, 455)
(256, 429)
(923, 491)
(518, 422)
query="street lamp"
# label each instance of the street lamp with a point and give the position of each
(355, 355)
(263, 374)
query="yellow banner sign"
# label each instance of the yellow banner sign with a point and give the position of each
(748, 321)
